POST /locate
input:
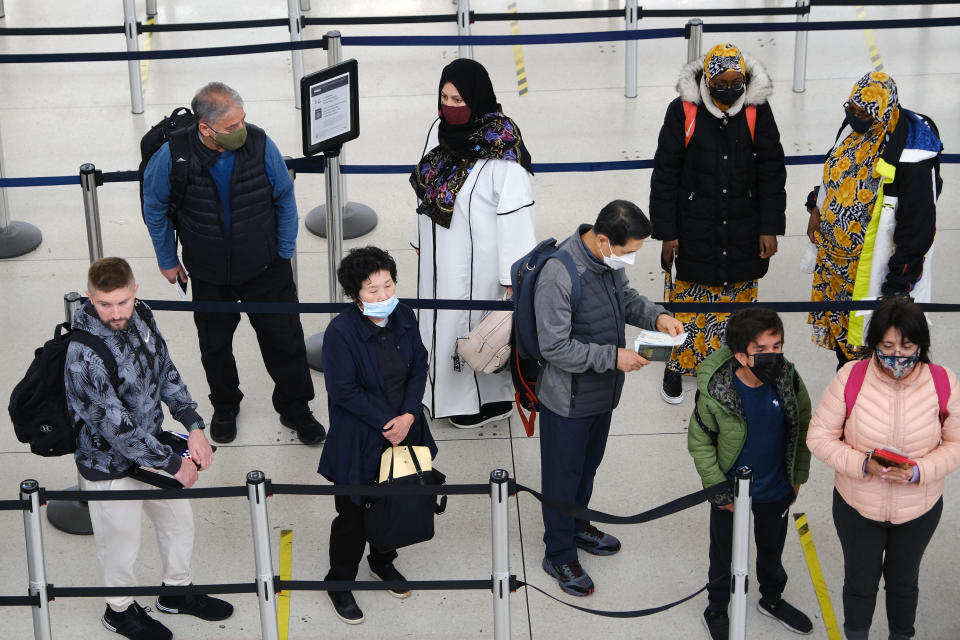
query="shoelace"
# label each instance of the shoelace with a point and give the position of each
(575, 569)
(592, 531)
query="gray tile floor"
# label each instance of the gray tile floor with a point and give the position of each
(55, 117)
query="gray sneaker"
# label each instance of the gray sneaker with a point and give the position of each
(594, 541)
(571, 576)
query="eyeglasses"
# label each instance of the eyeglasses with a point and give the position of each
(736, 85)
(857, 110)
(899, 350)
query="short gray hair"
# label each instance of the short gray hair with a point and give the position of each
(213, 101)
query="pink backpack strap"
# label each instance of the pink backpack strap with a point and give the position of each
(689, 121)
(942, 384)
(852, 388)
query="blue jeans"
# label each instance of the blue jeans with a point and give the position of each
(570, 452)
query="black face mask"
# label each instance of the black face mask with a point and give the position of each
(767, 366)
(860, 125)
(726, 95)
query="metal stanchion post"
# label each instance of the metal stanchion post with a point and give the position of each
(16, 238)
(331, 177)
(296, 55)
(463, 28)
(151, 8)
(133, 66)
(90, 179)
(800, 49)
(632, 16)
(693, 32)
(499, 507)
(70, 516)
(740, 564)
(36, 567)
(267, 598)
(358, 219)
(3, 14)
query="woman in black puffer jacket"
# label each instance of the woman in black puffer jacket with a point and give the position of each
(717, 197)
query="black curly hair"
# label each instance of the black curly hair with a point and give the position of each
(360, 264)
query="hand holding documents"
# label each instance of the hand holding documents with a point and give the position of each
(656, 345)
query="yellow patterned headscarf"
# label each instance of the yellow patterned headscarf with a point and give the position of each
(850, 174)
(720, 58)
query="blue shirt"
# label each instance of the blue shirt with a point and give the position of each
(765, 446)
(156, 200)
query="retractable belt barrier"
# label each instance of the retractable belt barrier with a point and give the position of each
(53, 591)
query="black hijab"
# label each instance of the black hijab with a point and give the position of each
(488, 134)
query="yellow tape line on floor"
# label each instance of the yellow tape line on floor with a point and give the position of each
(871, 41)
(145, 64)
(518, 62)
(816, 576)
(283, 599)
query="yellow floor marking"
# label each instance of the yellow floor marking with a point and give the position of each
(147, 46)
(816, 576)
(518, 62)
(283, 599)
(871, 41)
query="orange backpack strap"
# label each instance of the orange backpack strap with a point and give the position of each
(751, 113)
(689, 121)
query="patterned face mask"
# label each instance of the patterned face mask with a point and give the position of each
(898, 366)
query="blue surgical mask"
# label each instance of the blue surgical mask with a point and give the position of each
(380, 309)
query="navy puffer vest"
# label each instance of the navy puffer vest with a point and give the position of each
(599, 318)
(210, 253)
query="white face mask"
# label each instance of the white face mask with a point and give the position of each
(618, 262)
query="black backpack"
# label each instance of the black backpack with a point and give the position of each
(526, 359)
(173, 129)
(38, 404)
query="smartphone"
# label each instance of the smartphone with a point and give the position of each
(181, 287)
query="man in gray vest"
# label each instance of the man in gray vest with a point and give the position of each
(585, 358)
(238, 227)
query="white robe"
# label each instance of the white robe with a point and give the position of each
(491, 228)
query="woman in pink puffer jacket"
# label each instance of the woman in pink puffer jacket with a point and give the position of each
(886, 515)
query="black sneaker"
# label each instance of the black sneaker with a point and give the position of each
(717, 623)
(308, 429)
(345, 606)
(672, 388)
(493, 411)
(787, 615)
(571, 576)
(389, 573)
(201, 606)
(594, 541)
(134, 623)
(223, 425)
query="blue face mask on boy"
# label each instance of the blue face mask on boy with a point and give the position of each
(380, 309)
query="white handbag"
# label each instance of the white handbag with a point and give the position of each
(487, 348)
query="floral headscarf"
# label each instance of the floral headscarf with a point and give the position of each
(850, 174)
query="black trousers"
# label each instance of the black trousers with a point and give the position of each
(872, 548)
(769, 534)
(348, 540)
(280, 336)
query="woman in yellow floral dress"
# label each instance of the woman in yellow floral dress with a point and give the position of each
(885, 157)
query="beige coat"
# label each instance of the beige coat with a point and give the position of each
(888, 413)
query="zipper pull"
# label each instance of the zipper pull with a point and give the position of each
(691, 196)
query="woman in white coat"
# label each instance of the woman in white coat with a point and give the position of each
(475, 220)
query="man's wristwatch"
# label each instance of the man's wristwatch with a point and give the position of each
(196, 425)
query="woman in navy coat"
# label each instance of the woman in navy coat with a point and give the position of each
(375, 369)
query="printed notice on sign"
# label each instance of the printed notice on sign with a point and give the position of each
(330, 109)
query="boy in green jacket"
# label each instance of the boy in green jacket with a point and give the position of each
(752, 409)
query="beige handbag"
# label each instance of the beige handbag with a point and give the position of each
(487, 348)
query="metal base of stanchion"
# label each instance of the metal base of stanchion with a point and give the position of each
(315, 351)
(70, 516)
(358, 220)
(18, 239)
